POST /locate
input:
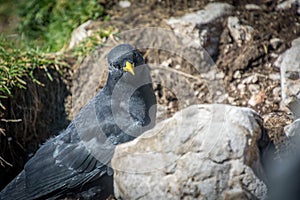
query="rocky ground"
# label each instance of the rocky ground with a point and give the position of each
(244, 44)
(247, 42)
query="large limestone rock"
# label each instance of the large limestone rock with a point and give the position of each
(202, 152)
(284, 173)
(200, 33)
(290, 77)
(203, 27)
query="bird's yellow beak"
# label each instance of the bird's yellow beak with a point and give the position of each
(129, 67)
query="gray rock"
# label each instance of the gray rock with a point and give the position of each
(251, 79)
(287, 4)
(210, 13)
(275, 42)
(290, 77)
(293, 129)
(296, 42)
(254, 88)
(202, 152)
(179, 44)
(124, 4)
(252, 7)
(274, 76)
(203, 26)
(80, 33)
(240, 33)
(237, 74)
(200, 32)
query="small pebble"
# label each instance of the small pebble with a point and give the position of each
(124, 4)
(237, 74)
(275, 43)
(252, 7)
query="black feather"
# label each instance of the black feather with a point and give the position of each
(77, 158)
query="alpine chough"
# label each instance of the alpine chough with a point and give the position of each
(77, 160)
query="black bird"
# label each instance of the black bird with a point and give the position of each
(77, 160)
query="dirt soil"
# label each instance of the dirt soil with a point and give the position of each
(251, 63)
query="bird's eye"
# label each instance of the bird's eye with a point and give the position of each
(124, 63)
(117, 65)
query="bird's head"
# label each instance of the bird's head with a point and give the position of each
(123, 59)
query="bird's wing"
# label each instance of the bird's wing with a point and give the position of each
(60, 164)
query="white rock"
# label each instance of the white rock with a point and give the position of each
(242, 88)
(80, 34)
(237, 74)
(252, 7)
(296, 42)
(254, 88)
(251, 79)
(276, 93)
(200, 33)
(275, 42)
(231, 100)
(210, 13)
(293, 129)
(200, 26)
(124, 4)
(274, 55)
(287, 4)
(166, 63)
(240, 33)
(290, 77)
(275, 76)
(202, 152)
(252, 101)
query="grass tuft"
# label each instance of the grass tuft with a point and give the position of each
(44, 26)
(16, 64)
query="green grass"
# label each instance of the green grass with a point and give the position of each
(45, 26)
(50, 22)
(16, 65)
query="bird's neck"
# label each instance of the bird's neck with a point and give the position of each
(113, 79)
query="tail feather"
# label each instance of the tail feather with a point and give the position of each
(16, 189)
